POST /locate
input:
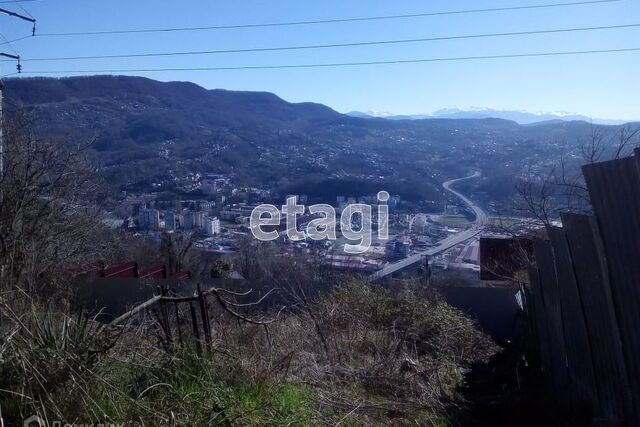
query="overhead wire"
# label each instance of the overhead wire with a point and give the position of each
(329, 21)
(7, 42)
(17, 40)
(343, 64)
(25, 10)
(332, 45)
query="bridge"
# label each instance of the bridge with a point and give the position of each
(445, 244)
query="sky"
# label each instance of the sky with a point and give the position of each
(603, 85)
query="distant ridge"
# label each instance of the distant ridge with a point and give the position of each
(149, 135)
(520, 117)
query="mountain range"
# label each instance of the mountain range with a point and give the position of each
(520, 117)
(149, 135)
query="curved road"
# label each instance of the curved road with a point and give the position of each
(445, 244)
(481, 216)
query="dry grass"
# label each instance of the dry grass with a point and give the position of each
(358, 356)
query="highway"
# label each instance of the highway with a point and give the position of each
(443, 245)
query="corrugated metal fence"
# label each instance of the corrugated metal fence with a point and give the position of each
(585, 296)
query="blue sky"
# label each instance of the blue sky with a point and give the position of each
(601, 85)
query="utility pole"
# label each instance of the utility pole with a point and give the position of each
(19, 69)
(17, 58)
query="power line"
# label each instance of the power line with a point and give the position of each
(329, 21)
(19, 16)
(8, 42)
(17, 40)
(341, 64)
(15, 57)
(25, 10)
(334, 45)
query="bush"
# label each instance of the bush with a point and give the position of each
(359, 356)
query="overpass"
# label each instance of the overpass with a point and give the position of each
(445, 244)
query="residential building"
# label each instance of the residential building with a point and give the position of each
(169, 221)
(149, 218)
(189, 221)
(199, 219)
(212, 226)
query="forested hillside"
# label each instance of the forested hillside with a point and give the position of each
(148, 131)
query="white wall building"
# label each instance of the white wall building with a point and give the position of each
(212, 226)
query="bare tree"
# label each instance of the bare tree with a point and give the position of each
(593, 148)
(174, 250)
(48, 213)
(545, 192)
(537, 195)
(626, 137)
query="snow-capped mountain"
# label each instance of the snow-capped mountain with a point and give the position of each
(521, 117)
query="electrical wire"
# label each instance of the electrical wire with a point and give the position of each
(340, 64)
(25, 11)
(7, 42)
(16, 40)
(329, 21)
(334, 45)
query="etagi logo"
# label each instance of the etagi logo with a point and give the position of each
(36, 421)
(324, 227)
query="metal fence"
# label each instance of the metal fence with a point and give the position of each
(585, 296)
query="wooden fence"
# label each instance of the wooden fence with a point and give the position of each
(585, 297)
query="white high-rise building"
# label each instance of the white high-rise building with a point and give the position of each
(199, 220)
(212, 226)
